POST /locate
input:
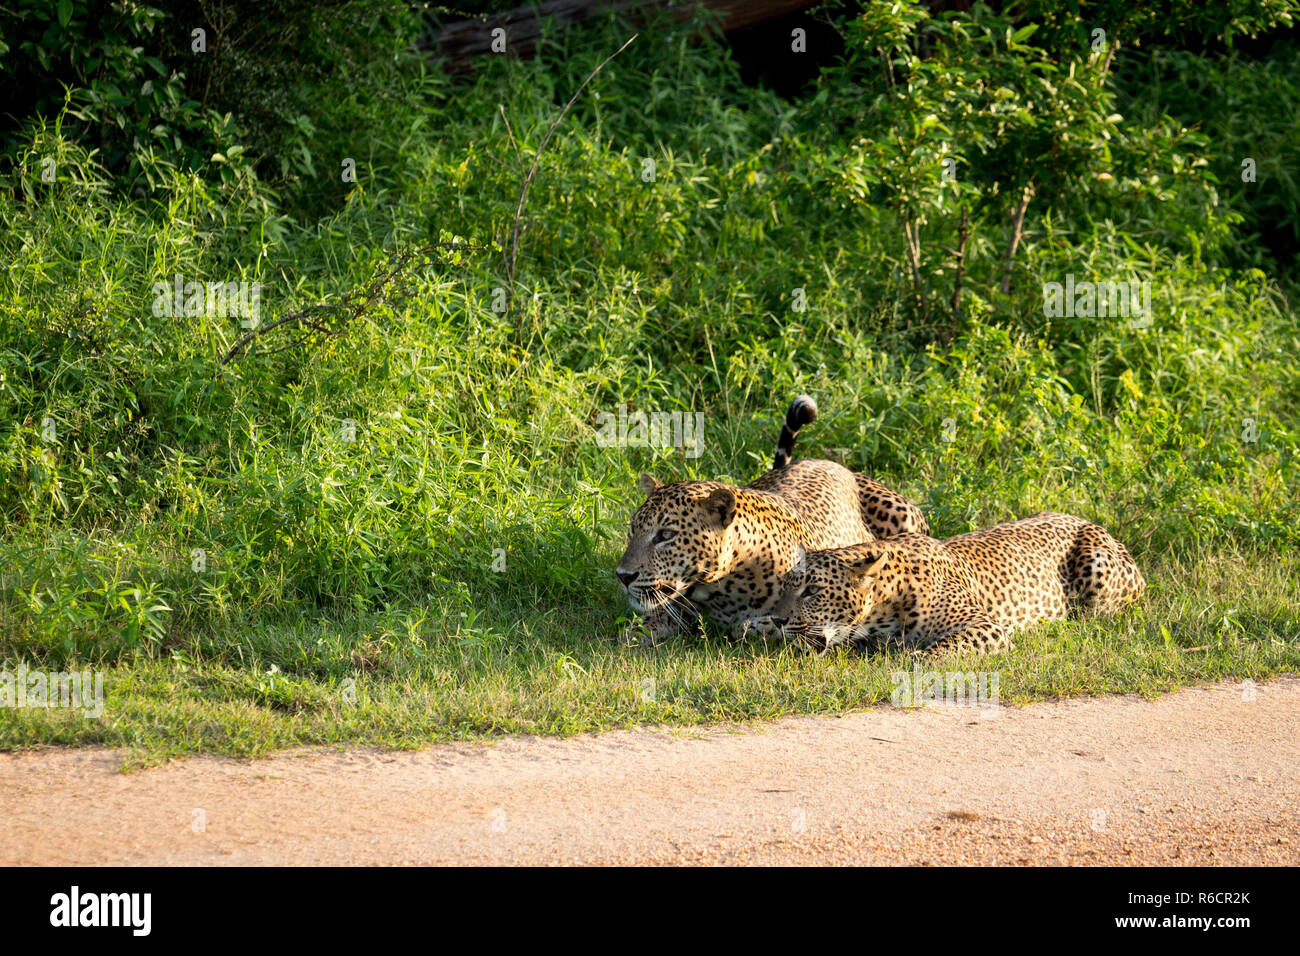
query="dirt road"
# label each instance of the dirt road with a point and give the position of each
(1203, 776)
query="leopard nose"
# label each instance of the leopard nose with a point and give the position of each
(779, 621)
(627, 577)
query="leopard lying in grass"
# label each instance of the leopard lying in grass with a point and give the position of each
(969, 592)
(705, 546)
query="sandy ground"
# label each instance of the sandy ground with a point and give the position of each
(1203, 776)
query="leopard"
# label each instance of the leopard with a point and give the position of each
(972, 592)
(710, 549)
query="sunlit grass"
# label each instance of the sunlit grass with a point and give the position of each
(420, 680)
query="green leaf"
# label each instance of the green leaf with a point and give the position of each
(1024, 33)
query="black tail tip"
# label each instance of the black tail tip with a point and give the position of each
(803, 411)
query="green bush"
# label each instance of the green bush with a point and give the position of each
(332, 501)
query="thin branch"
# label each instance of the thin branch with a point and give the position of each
(523, 193)
(963, 234)
(1017, 224)
(509, 131)
(912, 233)
(353, 304)
(1110, 54)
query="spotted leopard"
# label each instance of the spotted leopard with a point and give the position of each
(969, 592)
(706, 546)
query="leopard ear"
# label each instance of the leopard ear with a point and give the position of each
(869, 564)
(799, 560)
(649, 484)
(721, 504)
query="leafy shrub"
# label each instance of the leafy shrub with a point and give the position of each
(473, 427)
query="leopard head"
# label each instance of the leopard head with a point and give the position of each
(826, 593)
(678, 539)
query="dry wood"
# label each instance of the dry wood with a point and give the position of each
(460, 43)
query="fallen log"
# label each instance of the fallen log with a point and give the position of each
(458, 44)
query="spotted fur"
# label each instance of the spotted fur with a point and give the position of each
(705, 546)
(969, 592)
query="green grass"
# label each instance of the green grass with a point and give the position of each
(337, 568)
(421, 677)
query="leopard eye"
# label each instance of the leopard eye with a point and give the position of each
(810, 592)
(663, 535)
